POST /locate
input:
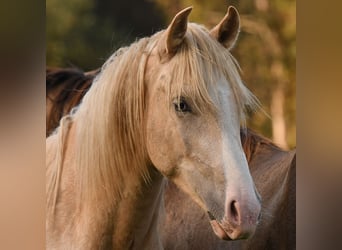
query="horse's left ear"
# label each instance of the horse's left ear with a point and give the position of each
(227, 31)
(175, 33)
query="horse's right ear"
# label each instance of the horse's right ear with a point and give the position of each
(227, 31)
(174, 34)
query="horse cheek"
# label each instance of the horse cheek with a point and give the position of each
(163, 145)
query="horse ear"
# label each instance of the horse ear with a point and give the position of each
(227, 31)
(175, 33)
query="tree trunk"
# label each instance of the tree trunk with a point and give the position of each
(277, 106)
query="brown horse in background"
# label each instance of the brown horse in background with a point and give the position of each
(64, 90)
(273, 171)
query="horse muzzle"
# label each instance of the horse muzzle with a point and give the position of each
(237, 224)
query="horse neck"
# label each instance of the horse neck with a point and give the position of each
(136, 226)
(255, 145)
(131, 223)
(273, 172)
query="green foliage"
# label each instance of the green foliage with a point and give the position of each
(68, 24)
(84, 33)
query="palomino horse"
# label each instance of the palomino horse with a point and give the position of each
(138, 123)
(186, 225)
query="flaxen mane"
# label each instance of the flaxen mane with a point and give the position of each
(110, 135)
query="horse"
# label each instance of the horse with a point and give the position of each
(138, 124)
(64, 90)
(277, 227)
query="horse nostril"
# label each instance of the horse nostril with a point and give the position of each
(234, 213)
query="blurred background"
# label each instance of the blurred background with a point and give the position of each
(83, 33)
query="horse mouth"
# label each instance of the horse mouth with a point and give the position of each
(219, 231)
(217, 228)
(226, 231)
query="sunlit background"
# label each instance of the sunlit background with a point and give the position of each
(83, 33)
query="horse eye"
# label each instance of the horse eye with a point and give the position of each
(182, 106)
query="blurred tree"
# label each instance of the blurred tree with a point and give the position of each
(267, 54)
(84, 33)
(68, 23)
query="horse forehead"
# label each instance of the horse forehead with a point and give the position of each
(221, 93)
(227, 109)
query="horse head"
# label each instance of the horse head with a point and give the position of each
(194, 106)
